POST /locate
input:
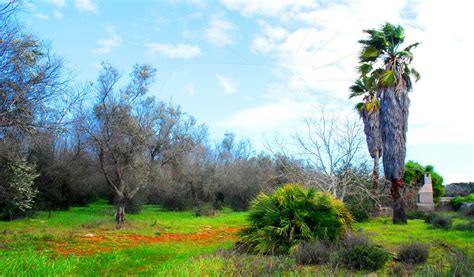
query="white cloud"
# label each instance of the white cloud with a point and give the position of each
(42, 16)
(317, 55)
(219, 32)
(178, 51)
(268, 117)
(106, 45)
(58, 15)
(58, 3)
(228, 84)
(86, 6)
(267, 7)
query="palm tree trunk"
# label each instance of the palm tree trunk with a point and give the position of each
(375, 174)
(399, 215)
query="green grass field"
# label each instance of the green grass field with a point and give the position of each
(85, 242)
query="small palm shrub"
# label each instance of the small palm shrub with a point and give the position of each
(414, 253)
(313, 253)
(292, 215)
(357, 252)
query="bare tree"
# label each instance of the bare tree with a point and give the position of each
(329, 152)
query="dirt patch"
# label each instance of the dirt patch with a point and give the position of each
(90, 245)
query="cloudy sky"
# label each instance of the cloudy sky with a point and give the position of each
(257, 67)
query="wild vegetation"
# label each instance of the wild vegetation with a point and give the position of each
(104, 178)
(84, 241)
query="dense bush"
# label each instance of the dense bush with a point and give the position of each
(441, 222)
(313, 253)
(357, 252)
(293, 215)
(414, 253)
(458, 200)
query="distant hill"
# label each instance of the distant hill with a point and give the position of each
(456, 189)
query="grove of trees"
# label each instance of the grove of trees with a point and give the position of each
(64, 143)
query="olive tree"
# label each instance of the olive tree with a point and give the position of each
(120, 129)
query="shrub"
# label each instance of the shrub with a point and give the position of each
(417, 215)
(313, 253)
(430, 216)
(359, 253)
(414, 253)
(465, 227)
(458, 200)
(441, 222)
(293, 215)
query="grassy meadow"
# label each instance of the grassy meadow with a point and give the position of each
(85, 242)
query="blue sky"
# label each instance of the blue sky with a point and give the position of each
(256, 68)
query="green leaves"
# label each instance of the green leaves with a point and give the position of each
(369, 54)
(388, 78)
(291, 215)
(365, 68)
(415, 73)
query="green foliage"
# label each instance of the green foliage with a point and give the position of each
(313, 253)
(417, 215)
(441, 222)
(16, 188)
(293, 215)
(359, 253)
(458, 200)
(465, 227)
(414, 176)
(414, 253)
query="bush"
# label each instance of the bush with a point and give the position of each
(417, 215)
(441, 222)
(359, 253)
(458, 200)
(293, 215)
(414, 253)
(465, 227)
(313, 253)
(430, 216)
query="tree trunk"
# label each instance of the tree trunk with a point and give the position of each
(399, 215)
(120, 216)
(375, 174)
(376, 184)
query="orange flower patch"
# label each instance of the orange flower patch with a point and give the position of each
(100, 243)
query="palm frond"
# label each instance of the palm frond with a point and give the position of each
(388, 78)
(369, 54)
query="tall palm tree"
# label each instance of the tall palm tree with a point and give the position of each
(393, 71)
(368, 110)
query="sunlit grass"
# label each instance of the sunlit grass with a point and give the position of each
(42, 246)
